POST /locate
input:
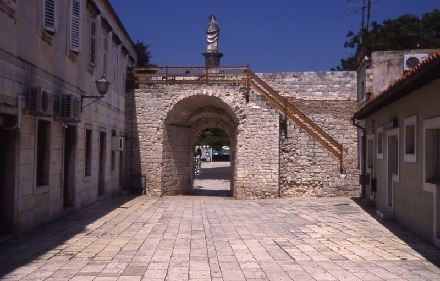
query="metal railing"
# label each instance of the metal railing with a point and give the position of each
(188, 75)
(235, 75)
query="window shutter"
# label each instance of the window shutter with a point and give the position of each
(75, 25)
(105, 55)
(115, 66)
(124, 74)
(50, 15)
(92, 43)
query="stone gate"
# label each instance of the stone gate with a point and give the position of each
(271, 155)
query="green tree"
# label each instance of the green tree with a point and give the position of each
(143, 54)
(405, 32)
(213, 137)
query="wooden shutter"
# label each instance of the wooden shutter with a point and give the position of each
(75, 25)
(50, 15)
(92, 42)
(104, 54)
(115, 66)
(124, 74)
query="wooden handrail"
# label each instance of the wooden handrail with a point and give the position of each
(231, 75)
(297, 121)
(295, 110)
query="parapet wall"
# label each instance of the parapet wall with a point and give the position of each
(328, 85)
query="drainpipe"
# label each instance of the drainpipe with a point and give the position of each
(363, 154)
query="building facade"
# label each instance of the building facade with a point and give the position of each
(401, 140)
(62, 145)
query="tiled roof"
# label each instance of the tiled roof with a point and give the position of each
(409, 82)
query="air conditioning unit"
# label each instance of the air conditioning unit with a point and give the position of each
(40, 102)
(69, 108)
(410, 61)
(117, 143)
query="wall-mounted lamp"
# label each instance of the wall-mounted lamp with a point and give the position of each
(102, 85)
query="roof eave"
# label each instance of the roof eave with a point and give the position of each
(418, 79)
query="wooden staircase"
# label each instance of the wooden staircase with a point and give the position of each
(239, 75)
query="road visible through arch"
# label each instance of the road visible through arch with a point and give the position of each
(214, 180)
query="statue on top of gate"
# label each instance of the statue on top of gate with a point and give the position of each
(212, 35)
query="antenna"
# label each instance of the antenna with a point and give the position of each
(368, 15)
(363, 14)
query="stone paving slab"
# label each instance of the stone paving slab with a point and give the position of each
(129, 238)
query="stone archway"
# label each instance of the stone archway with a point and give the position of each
(164, 119)
(183, 122)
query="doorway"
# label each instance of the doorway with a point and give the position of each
(213, 177)
(183, 124)
(393, 165)
(102, 158)
(7, 180)
(69, 167)
(121, 170)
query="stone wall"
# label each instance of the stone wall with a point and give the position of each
(329, 100)
(166, 119)
(269, 160)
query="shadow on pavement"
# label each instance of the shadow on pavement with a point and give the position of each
(424, 248)
(23, 249)
(198, 190)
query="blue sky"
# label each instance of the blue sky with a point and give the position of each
(269, 36)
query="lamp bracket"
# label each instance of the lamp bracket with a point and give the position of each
(89, 97)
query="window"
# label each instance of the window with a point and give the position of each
(431, 167)
(92, 41)
(394, 154)
(410, 134)
(75, 25)
(379, 150)
(50, 15)
(362, 92)
(43, 148)
(104, 54)
(88, 153)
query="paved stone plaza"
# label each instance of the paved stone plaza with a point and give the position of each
(219, 238)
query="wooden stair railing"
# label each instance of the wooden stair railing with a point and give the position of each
(297, 116)
(235, 75)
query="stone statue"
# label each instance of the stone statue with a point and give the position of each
(212, 34)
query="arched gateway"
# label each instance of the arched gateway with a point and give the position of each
(276, 150)
(170, 117)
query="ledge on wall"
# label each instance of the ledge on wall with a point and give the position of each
(384, 215)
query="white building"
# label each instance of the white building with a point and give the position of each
(401, 139)
(60, 149)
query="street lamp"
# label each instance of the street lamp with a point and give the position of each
(102, 85)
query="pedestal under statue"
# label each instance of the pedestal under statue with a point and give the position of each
(212, 55)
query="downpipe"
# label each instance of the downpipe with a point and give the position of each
(363, 154)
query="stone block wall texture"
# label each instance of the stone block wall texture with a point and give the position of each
(162, 137)
(329, 100)
(268, 159)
